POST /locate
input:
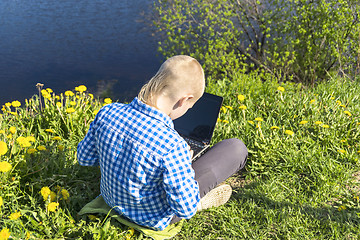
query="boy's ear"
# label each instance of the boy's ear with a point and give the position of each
(185, 98)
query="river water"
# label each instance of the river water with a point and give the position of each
(103, 44)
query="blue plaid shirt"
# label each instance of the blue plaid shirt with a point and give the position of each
(146, 172)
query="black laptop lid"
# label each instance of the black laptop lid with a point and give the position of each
(199, 122)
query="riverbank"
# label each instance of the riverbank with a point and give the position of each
(300, 181)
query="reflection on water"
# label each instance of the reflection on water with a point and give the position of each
(67, 43)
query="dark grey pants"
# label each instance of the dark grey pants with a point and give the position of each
(219, 163)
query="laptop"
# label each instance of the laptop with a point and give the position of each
(197, 125)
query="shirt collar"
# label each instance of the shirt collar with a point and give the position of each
(152, 112)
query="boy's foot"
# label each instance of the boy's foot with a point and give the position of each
(216, 197)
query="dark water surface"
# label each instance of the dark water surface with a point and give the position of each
(70, 42)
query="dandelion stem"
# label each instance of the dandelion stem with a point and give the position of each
(39, 87)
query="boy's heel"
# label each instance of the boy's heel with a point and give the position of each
(216, 197)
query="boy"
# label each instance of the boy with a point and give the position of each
(146, 171)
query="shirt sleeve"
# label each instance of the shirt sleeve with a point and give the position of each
(182, 191)
(87, 154)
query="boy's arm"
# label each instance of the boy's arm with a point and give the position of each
(181, 188)
(86, 150)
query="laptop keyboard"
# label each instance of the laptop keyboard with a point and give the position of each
(195, 145)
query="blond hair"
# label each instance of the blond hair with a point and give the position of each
(177, 75)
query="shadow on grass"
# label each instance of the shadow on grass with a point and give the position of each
(350, 216)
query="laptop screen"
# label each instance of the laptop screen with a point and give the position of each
(199, 122)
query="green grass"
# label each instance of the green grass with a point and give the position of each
(295, 186)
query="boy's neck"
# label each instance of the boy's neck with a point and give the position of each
(164, 104)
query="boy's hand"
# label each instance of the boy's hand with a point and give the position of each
(192, 153)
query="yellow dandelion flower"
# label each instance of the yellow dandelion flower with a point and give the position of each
(52, 196)
(251, 122)
(91, 96)
(81, 88)
(107, 100)
(65, 194)
(356, 198)
(23, 142)
(241, 97)
(69, 93)
(1, 201)
(72, 103)
(92, 217)
(3, 148)
(49, 90)
(8, 104)
(341, 151)
(289, 132)
(219, 120)
(325, 126)
(4, 234)
(20, 139)
(229, 107)
(274, 127)
(41, 148)
(2, 131)
(347, 113)
(52, 206)
(312, 101)
(56, 138)
(223, 109)
(9, 136)
(259, 119)
(225, 121)
(5, 166)
(96, 111)
(12, 130)
(45, 192)
(358, 151)
(332, 98)
(281, 89)
(45, 94)
(31, 150)
(318, 122)
(61, 148)
(243, 107)
(30, 138)
(303, 122)
(343, 140)
(58, 104)
(15, 103)
(358, 123)
(338, 102)
(49, 130)
(70, 110)
(15, 215)
(57, 97)
(342, 105)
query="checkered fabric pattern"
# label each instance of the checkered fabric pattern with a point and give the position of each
(146, 172)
